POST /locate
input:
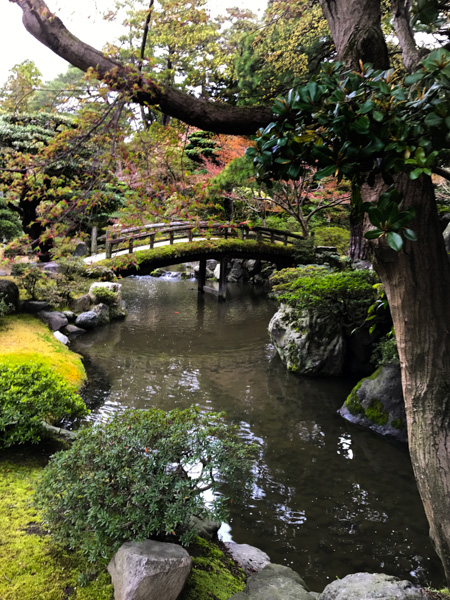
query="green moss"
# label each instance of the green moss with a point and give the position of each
(374, 412)
(146, 261)
(213, 576)
(352, 403)
(24, 338)
(32, 567)
(398, 424)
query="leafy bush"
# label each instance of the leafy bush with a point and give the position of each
(29, 394)
(10, 225)
(347, 294)
(30, 278)
(104, 295)
(5, 308)
(332, 236)
(304, 251)
(386, 352)
(141, 476)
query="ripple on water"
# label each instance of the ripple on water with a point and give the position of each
(327, 499)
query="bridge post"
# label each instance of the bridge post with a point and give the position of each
(130, 247)
(152, 240)
(202, 275)
(223, 279)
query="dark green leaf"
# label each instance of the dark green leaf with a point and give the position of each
(394, 240)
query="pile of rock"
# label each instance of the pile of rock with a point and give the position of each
(156, 570)
(102, 304)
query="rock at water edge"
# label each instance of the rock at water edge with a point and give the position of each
(149, 570)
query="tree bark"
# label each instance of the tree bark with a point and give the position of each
(417, 284)
(355, 28)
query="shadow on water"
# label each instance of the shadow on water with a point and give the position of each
(328, 499)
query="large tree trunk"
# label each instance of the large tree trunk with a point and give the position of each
(417, 284)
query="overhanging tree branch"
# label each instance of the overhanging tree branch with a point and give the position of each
(211, 116)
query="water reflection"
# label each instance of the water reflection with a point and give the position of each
(328, 499)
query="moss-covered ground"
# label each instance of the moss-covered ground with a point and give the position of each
(25, 338)
(31, 567)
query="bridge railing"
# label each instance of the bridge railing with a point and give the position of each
(129, 238)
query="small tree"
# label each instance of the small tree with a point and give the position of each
(141, 476)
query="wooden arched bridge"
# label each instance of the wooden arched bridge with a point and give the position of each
(141, 250)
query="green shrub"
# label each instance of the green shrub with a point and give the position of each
(141, 476)
(104, 295)
(30, 278)
(332, 236)
(386, 352)
(29, 394)
(304, 251)
(347, 294)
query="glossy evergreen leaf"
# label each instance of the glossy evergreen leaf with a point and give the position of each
(394, 240)
(410, 235)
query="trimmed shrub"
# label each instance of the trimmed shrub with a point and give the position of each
(141, 476)
(29, 394)
(332, 236)
(347, 294)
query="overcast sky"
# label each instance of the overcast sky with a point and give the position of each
(82, 17)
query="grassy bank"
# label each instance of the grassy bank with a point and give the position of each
(24, 338)
(31, 567)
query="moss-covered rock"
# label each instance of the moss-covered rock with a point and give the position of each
(376, 402)
(214, 576)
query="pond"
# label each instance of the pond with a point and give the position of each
(328, 499)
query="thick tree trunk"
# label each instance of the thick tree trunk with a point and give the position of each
(358, 246)
(417, 284)
(355, 28)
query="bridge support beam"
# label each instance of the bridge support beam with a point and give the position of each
(220, 293)
(202, 276)
(223, 279)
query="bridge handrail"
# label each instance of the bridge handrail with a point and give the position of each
(191, 229)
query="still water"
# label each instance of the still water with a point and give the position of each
(328, 499)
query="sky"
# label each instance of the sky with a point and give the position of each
(82, 18)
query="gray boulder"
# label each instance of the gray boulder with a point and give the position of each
(250, 559)
(9, 292)
(275, 582)
(51, 267)
(149, 570)
(371, 586)
(114, 288)
(206, 528)
(72, 330)
(61, 337)
(308, 345)
(35, 306)
(54, 319)
(102, 312)
(376, 403)
(87, 320)
(237, 272)
(80, 304)
(71, 316)
(81, 250)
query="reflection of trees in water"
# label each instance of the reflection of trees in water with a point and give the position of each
(328, 498)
